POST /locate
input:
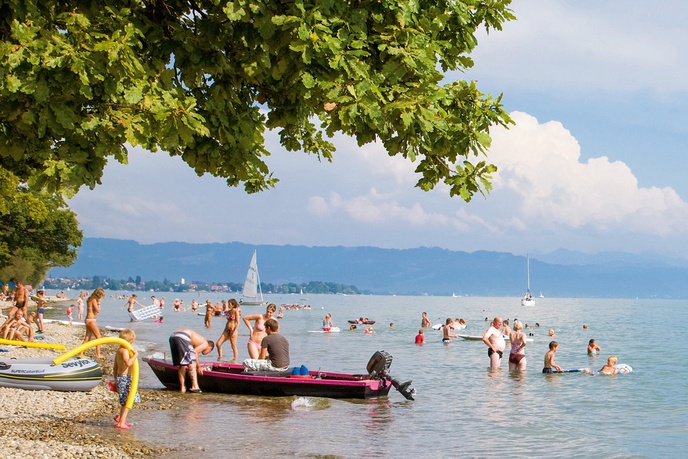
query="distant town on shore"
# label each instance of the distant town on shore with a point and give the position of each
(138, 284)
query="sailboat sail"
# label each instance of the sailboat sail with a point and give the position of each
(527, 299)
(252, 290)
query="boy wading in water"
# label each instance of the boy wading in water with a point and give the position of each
(550, 366)
(122, 372)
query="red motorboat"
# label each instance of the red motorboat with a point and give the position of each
(231, 378)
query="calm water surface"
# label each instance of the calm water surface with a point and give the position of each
(462, 409)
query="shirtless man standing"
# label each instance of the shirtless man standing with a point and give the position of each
(130, 306)
(186, 345)
(21, 300)
(495, 342)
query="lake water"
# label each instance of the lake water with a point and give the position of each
(462, 408)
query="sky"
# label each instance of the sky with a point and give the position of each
(595, 163)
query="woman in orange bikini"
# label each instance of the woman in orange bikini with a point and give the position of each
(231, 330)
(93, 305)
(258, 329)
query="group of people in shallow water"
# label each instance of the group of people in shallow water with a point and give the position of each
(496, 337)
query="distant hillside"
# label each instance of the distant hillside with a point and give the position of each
(422, 270)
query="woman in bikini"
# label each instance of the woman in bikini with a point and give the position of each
(231, 330)
(93, 309)
(517, 356)
(258, 329)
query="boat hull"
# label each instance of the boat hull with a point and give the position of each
(251, 303)
(74, 374)
(227, 378)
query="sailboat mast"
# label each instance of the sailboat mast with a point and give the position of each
(260, 289)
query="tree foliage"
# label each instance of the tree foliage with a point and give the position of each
(204, 79)
(37, 232)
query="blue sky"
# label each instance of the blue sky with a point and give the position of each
(595, 163)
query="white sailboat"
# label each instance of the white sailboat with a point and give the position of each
(252, 293)
(527, 299)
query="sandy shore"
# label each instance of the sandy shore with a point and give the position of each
(70, 424)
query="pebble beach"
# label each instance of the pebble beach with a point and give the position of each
(52, 424)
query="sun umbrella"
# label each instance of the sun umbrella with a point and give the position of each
(11, 284)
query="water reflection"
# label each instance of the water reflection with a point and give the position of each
(518, 379)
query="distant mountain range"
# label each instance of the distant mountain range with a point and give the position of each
(419, 271)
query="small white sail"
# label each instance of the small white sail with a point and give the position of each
(252, 292)
(527, 299)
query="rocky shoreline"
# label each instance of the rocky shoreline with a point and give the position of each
(71, 424)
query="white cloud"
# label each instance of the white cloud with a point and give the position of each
(540, 164)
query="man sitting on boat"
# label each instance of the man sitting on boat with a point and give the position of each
(274, 351)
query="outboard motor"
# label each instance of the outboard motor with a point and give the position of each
(378, 367)
(379, 364)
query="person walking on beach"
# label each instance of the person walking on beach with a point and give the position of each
(274, 351)
(40, 309)
(185, 346)
(122, 372)
(258, 329)
(70, 310)
(93, 309)
(495, 343)
(231, 330)
(517, 356)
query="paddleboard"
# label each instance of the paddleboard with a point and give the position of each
(64, 322)
(621, 368)
(440, 326)
(146, 312)
(331, 330)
